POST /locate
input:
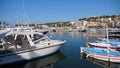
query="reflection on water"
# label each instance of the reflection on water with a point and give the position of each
(100, 63)
(78, 34)
(43, 62)
(71, 49)
(90, 33)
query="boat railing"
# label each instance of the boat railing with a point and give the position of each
(51, 42)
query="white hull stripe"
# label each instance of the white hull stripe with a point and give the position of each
(14, 53)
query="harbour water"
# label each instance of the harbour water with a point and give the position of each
(68, 56)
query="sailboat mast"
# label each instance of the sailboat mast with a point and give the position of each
(107, 43)
(23, 12)
(25, 16)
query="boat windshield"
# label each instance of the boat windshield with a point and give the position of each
(37, 36)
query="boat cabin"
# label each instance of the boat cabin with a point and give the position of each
(18, 40)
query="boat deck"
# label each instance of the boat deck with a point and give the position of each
(101, 52)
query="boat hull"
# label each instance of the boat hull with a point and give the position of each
(115, 59)
(101, 63)
(28, 55)
(104, 46)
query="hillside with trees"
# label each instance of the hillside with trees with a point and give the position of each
(93, 21)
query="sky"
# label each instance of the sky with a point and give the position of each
(45, 11)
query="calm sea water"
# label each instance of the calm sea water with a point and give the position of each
(68, 56)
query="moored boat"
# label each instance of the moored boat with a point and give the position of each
(102, 44)
(112, 56)
(26, 45)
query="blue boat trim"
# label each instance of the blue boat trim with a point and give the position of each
(101, 52)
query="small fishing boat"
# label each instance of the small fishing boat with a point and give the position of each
(112, 56)
(102, 44)
(19, 45)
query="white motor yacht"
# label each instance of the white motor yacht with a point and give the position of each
(25, 45)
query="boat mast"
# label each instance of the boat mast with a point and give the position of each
(23, 12)
(107, 43)
(25, 16)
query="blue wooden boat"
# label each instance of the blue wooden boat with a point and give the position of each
(105, 55)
